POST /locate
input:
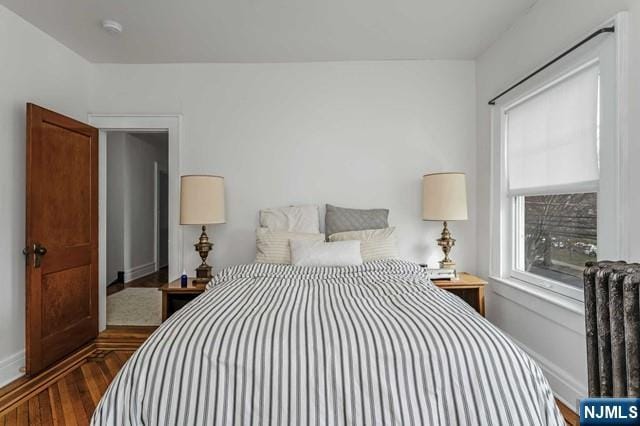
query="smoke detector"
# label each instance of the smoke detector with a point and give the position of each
(111, 26)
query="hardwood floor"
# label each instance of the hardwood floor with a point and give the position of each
(570, 417)
(68, 392)
(72, 398)
(154, 280)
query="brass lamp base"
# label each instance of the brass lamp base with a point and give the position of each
(203, 274)
(446, 242)
(203, 247)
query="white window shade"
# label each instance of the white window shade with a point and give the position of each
(552, 137)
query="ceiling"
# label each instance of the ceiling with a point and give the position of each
(158, 31)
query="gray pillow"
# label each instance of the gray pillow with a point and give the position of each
(339, 219)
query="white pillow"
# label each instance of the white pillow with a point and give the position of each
(375, 244)
(273, 246)
(319, 253)
(292, 219)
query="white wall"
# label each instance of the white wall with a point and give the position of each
(141, 152)
(355, 134)
(554, 334)
(131, 201)
(33, 68)
(115, 203)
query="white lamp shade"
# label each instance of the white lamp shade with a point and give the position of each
(201, 200)
(444, 196)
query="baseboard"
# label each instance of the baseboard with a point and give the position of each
(10, 368)
(565, 388)
(139, 271)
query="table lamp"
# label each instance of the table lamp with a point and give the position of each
(444, 198)
(202, 203)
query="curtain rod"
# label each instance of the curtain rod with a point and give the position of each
(554, 60)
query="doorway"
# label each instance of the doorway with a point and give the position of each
(170, 123)
(137, 226)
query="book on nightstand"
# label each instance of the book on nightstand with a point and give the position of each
(440, 274)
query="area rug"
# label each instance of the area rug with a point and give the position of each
(135, 306)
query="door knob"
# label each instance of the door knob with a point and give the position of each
(37, 251)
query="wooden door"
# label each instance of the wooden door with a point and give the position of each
(61, 236)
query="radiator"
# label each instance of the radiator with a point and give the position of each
(612, 317)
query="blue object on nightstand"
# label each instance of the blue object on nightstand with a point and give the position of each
(184, 279)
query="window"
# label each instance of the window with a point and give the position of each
(556, 235)
(552, 146)
(556, 174)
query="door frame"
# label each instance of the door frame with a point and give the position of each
(172, 124)
(156, 216)
(157, 174)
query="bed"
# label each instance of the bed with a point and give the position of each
(362, 345)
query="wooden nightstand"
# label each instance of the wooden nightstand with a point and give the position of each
(174, 296)
(468, 287)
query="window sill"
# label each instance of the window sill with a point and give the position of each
(549, 296)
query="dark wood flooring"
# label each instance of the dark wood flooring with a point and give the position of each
(68, 392)
(155, 280)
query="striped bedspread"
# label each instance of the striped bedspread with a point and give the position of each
(284, 345)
